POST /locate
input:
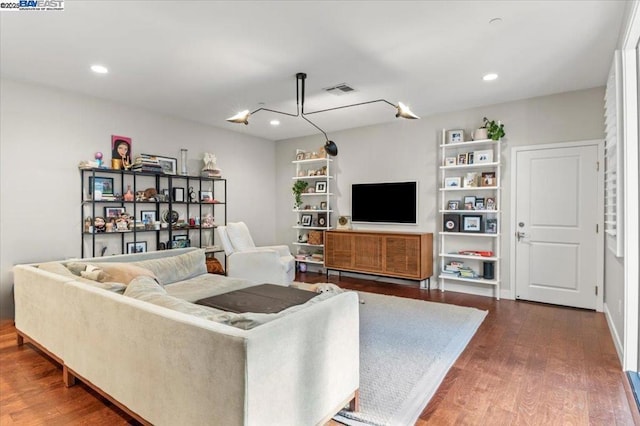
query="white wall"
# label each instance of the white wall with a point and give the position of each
(46, 132)
(408, 149)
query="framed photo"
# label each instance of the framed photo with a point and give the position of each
(121, 150)
(180, 237)
(452, 182)
(451, 222)
(470, 158)
(321, 186)
(488, 179)
(169, 164)
(453, 205)
(491, 226)
(451, 161)
(137, 247)
(469, 202)
(455, 136)
(462, 158)
(471, 180)
(479, 203)
(148, 216)
(115, 212)
(306, 219)
(472, 223)
(103, 184)
(490, 203)
(322, 219)
(483, 157)
(206, 196)
(180, 243)
(178, 195)
(323, 205)
(300, 156)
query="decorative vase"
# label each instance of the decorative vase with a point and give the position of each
(183, 161)
(128, 196)
(480, 134)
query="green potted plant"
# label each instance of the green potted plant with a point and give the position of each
(495, 130)
(298, 188)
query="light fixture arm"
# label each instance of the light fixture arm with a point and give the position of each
(349, 106)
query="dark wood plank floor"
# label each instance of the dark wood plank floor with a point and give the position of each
(528, 364)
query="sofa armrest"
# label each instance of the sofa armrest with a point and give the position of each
(310, 357)
(258, 266)
(281, 249)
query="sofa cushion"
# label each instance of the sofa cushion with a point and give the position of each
(240, 237)
(120, 272)
(176, 268)
(60, 269)
(205, 285)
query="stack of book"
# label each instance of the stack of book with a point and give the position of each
(146, 163)
(458, 269)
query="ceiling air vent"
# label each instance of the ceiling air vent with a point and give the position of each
(339, 89)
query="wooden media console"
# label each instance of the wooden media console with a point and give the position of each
(407, 255)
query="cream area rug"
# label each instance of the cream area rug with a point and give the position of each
(406, 348)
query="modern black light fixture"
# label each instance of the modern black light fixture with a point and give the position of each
(330, 147)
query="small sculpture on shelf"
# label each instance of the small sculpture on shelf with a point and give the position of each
(208, 221)
(99, 224)
(210, 168)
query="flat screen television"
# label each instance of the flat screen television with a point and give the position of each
(388, 202)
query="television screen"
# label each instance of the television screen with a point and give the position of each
(392, 202)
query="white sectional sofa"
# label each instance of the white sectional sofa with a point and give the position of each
(170, 362)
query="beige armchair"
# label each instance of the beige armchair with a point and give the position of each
(269, 264)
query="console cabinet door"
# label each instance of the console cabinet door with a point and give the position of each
(338, 250)
(368, 253)
(402, 255)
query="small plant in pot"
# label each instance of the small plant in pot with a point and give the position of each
(495, 130)
(298, 188)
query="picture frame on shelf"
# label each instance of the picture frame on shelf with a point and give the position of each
(491, 226)
(206, 196)
(148, 216)
(180, 237)
(451, 222)
(113, 212)
(180, 243)
(488, 179)
(300, 156)
(455, 136)
(169, 165)
(452, 182)
(450, 161)
(490, 203)
(469, 202)
(137, 247)
(322, 219)
(306, 219)
(470, 156)
(321, 186)
(479, 204)
(472, 223)
(102, 184)
(471, 180)
(462, 158)
(484, 156)
(178, 195)
(323, 205)
(453, 205)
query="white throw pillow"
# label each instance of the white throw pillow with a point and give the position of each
(240, 237)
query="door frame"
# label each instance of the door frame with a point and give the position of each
(599, 143)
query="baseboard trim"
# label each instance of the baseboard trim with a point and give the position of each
(617, 342)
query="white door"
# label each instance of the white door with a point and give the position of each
(558, 225)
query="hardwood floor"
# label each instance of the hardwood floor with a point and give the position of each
(528, 364)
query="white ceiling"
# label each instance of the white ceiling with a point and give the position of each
(207, 60)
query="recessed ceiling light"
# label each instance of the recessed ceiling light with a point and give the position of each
(274, 122)
(99, 69)
(490, 77)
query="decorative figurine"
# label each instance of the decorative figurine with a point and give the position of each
(99, 225)
(210, 169)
